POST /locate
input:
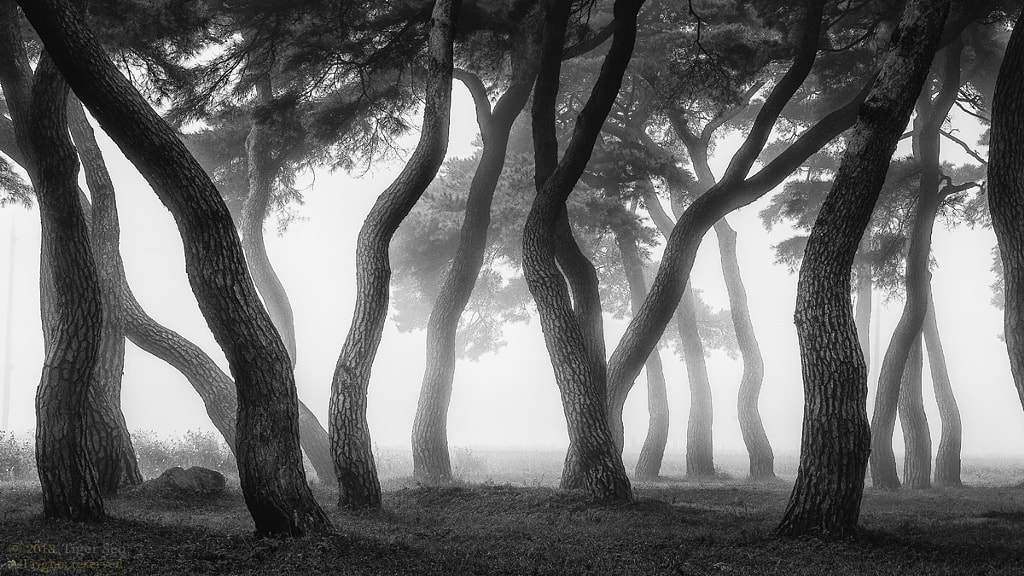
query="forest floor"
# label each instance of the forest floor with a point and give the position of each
(497, 521)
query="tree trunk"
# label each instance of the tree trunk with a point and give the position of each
(262, 172)
(917, 441)
(359, 486)
(1006, 194)
(734, 190)
(69, 483)
(109, 443)
(653, 452)
(835, 441)
(947, 456)
(572, 336)
(908, 329)
(267, 446)
(431, 461)
(700, 462)
(759, 449)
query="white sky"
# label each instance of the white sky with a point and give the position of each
(508, 399)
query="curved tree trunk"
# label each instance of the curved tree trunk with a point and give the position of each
(1006, 194)
(648, 465)
(261, 172)
(358, 484)
(69, 483)
(267, 445)
(573, 336)
(700, 461)
(109, 443)
(759, 449)
(947, 456)
(917, 441)
(835, 441)
(431, 461)
(908, 329)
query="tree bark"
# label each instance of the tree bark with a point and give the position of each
(700, 461)
(267, 445)
(71, 490)
(573, 337)
(908, 329)
(359, 486)
(108, 440)
(917, 442)
(652, 453)
(835, 441)
(947, 456)
(431, 461)
(759, 449)
(1006, 194)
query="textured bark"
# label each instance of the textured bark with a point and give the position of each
(917, 441)
(431, 461)
(72, 309)
(947, 455)
(908, 329)
(358, 484)
(1006, 194)
(648, 465)
(759, 449)
(262, 170)
(108, 441)
(66, 473)
(835, 441)
(572, 336)
(267, 444)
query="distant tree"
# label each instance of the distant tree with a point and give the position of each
(1005, 194)
(834, 446)
(270, 466)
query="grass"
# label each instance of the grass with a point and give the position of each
(496, 521)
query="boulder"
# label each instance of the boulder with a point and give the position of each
(196, 480)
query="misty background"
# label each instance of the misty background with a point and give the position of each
(506, 400)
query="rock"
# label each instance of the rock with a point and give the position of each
(196, 480)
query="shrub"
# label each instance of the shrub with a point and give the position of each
(17, 457)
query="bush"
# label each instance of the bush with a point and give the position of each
(17, 457)
(194, 448)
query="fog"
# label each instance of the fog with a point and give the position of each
(508, 399)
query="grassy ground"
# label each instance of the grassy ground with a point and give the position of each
(512, 523)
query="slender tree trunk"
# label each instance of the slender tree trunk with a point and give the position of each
(759, 449)
(267, 445)
(700, 462)
(359, 486)
(908, 329)
(947, 456)
(917, 442)
(261, 172)
(1006, 194)
(109, 443)
(573, 336)
(66, 473)
(653, 452)
(862, 313)
(431, 461)
(836, 437)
